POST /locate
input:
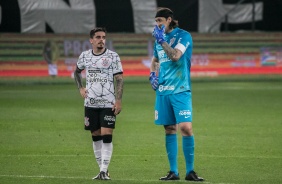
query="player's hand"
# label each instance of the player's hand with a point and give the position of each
(117, 107)
(154, 80)
(158, 33)
(83, 92)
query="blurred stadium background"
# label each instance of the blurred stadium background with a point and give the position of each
(231, 37)
(236, 70)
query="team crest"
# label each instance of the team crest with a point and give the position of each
(171, 41)
(105, 62)
(86, 121)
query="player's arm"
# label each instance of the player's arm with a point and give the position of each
(119, 86)
(118, 93)
(154, 68)
(78, 80)
(173, 54)
(154, 65)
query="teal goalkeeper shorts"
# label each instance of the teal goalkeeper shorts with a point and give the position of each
(173, 109)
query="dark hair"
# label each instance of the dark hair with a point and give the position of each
(166, 12)
(97, 29)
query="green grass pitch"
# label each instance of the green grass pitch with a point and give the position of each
(237, 126)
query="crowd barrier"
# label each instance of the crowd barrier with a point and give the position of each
(213, 54)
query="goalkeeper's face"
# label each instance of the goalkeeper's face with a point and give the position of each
(98, 41)
(163, 21)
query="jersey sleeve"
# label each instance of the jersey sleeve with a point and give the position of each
(184, 42)
(117, 64)
(80, 63)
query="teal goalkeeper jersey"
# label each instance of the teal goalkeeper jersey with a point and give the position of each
(174, 76)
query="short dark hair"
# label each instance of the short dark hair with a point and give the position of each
(97, 29)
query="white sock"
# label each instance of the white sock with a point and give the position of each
(97, 148)
(107, 150)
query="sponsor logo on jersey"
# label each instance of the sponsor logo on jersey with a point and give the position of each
(98, 101)
(163, 57)
(166, 88)
(109, 118)
(161, 54)
(162, 60)
(98, 79)
(94, 71)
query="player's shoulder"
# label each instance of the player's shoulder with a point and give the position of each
(110, 52)
(183, 32)
(185, 35)
(86, 52)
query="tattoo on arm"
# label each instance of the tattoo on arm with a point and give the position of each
(170, 52)
(78, 78)
(154, 65)
(119, 86)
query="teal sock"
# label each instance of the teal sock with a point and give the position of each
(172, 151)
(188, 145)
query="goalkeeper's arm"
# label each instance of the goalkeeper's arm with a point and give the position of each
(154, 80)
(154, 65)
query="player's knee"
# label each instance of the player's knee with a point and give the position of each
(96, 138)
(96, 132)
(170, 129)
(107, 138)
(186, 130)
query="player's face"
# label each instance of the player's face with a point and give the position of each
(98, 40)
(163, 21)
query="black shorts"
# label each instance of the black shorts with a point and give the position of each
(95, 118)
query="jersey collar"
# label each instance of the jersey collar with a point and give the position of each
(99, 54)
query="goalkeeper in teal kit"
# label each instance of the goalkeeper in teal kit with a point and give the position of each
(170, 78)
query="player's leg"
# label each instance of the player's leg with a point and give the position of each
(182, 104)
(97, 148)
(108, 120)
(188, 145)
(164, 116)
(92, 123)
(172, 152)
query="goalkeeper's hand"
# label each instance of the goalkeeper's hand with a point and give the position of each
(158, 33)
(154, 80)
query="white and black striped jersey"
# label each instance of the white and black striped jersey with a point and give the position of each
(100, 71)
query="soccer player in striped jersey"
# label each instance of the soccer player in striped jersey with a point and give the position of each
(102, 96)
(170, 78)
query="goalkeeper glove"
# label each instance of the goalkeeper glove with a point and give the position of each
(154, 80)
(158, 33)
